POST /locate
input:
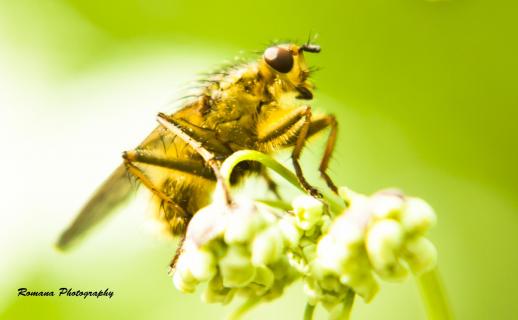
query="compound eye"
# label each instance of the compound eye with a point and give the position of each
(279, 58)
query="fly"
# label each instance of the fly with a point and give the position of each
(260, 105)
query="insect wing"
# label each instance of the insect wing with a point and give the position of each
(114, 191)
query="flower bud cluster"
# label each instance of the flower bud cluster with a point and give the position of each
(380, 235)
(252, 252)
(239, 250)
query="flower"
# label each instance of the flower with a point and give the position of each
(377, 235)
(239, 249)
(255, 252)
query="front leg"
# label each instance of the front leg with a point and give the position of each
(317, 126)
(290, 132)
(297, 150)
(193, 141)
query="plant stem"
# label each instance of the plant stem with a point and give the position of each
(434, 296)
(345, 312)
(252, 155)
(244, 308)
(308, 311)
(276, 204)
(247, 155)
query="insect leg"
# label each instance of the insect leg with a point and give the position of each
(317, 126)
(179, 250)
(297, 150)
(135, 171)
(288, 134)
(209, 157)
(284, 126)
(188, 166)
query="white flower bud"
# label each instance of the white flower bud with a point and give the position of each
(242, 223)
(363, 284)
(207, 224)
(267, 246)
(384, 240)
(385, 206)
(182, 285)
(326, 223)
(289, 231)
(331, 255)
(417, 216)
(202, 264)
(183, 279)
(236, 268)
(308, 211)
(347, 194)
(347, 232)
(217, 293)
(420, 254)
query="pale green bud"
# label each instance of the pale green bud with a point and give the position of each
(363, 284)
(383, 243)
(385, 205)
(207, 224)
(310, 252)
(236, 268)
(327, 290)
(276, 291)
(242, 223)
(347, 194)
(183, 279)
(202, 264)
(326, 223)
(298, 262)
(308, 211)
(420, 254)
(331, 255)
(417, 216)
(347, 232)
(289, 231)
(312, 290)
(330, 299)
(282, 269)
(182, 285)
(312, 232)
(263, 280)
(217, 293)
(355, 264)
(329, 283)
(267, 246)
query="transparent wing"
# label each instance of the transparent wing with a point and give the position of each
(114, 191)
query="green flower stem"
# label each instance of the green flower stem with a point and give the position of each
(251, 155)
(345, 312)
(276, 204)
(244, 308)
(309, 311)
(434, 296)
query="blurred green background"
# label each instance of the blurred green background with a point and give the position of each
(426, 96)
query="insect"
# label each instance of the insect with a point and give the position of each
(260, 105)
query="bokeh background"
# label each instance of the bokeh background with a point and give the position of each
(425, 92)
